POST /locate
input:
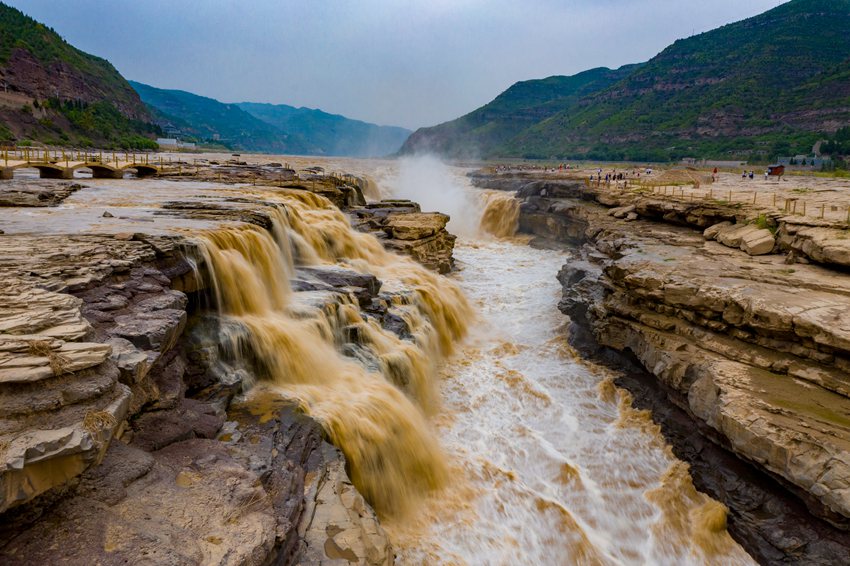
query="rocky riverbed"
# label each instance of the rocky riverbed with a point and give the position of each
(730, 323)
(124, 430)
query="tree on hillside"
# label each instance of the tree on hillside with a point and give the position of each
(839, 144)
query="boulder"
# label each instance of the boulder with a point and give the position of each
(711, 232)
(622, 211)
(733, 235)
(415, 226)
(758, 242)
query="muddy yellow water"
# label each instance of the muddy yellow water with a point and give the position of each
(379, 417)
(549, 463)
(483, 439)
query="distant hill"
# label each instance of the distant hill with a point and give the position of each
(208, 119)
(771, 84)
(332, 134)
(523, 105)
(52, 92)
(274, 128)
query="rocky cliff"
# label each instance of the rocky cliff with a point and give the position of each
(124, 429)
(742, 354)
(52, 92)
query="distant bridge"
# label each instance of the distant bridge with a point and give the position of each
(56, 164)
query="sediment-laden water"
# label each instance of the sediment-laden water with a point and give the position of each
(503, 448)
(377, 416)
(549, 463)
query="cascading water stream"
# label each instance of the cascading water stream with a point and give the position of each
(501, 214)
(547, 461)
(550, 464)
(378, 419)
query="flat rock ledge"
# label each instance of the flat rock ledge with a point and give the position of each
(403, 228)
(821, 241)
(123, 431)
(746, 355)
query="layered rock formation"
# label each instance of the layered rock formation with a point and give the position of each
(743, 358)
(407, 230)
(820, 240)
(122, 434)
(36, 193)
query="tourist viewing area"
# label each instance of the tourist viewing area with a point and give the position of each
(61, 164)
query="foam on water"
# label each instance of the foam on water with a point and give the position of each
(550, 464)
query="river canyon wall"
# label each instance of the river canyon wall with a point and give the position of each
(220, 375)
(738, 347)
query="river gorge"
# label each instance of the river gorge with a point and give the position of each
(321, 370)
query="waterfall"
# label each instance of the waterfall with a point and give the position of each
(377, 416)
(501, 214)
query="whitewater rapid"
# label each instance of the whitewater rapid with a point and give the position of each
(549, 462)
(549, 467)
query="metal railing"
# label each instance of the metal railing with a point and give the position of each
(119, 160)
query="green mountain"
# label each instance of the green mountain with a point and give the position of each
(520, 107)
(207, 119)
(774, 83)
(331, 133)
(273, 128)
(52, 92)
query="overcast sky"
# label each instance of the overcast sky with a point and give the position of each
(397, 62)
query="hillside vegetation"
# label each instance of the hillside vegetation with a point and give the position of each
(520, 107)
(206, 119)
(772, 84)
(273, 128)
(57, 94)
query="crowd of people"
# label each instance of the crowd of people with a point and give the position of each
(617, 177)
(543, 168)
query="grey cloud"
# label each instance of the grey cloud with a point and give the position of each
(392, 62)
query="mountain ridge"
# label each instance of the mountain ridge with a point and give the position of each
(765, 85)
(518, 107)
(336, 134)
(56, 93)
(274, 128)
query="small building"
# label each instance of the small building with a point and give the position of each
(175, 142)
(776, 170)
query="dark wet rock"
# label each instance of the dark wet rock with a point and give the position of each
(36, 192)
(157, 330)
(190, 419)
(364, 286)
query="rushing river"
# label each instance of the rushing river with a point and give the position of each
(549, 463)
(526, 453)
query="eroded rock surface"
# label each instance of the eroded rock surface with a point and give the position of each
(120, 436)
(750, 351)
(825, 241)
(36, 192)
(403, 228)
